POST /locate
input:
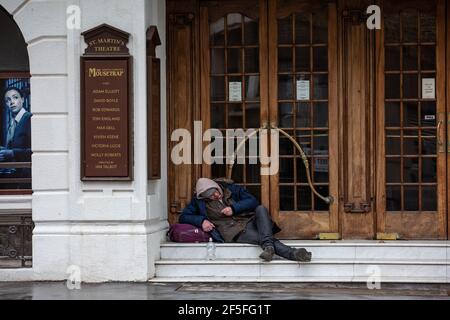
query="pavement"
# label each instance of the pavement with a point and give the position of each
(221, 291)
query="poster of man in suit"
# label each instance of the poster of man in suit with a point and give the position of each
(16, 134)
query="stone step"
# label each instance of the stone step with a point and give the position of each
(333, 261)
(420, 251)
(316, 270)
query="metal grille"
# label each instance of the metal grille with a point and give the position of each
(15, 240)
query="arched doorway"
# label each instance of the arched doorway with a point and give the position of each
(15, 144)
(15, 134)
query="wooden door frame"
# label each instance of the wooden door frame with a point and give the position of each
(447, 88)
(233, 6)
(324, 222)
(385, 223)
(188, 18)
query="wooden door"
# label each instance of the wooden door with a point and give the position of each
(368, 107)
(303, 102)
(411, 156)
(233, 54)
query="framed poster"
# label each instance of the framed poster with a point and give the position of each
(15, 133)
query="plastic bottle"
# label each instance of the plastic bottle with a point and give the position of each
(211, 250)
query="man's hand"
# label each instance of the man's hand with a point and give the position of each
(6, 155)
(227, 211)
(207, 226)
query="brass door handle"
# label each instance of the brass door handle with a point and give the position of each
(439, 136)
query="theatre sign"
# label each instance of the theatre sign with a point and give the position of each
(106, 108)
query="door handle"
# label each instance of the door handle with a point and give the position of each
(439, 127)
(440, 132)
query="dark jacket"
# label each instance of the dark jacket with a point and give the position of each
(21, 142)
(195, 213)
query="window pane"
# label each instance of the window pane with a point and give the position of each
(411, 146)
(320, 114)
(392, 86)
(320, 59)
(218, 170)
(251, 60)
(427, 27)
(319, 204)
(410, 26)
(252, 116)
(217, 61)
(411, 198)
(428, 113)
(320, 143)
(285, 115)
(429, 170)
(238, 173)
(252, 88)
(285, 59)
(304, 199)
(286, 198)
(234, 29)
(304, 139)
(217, 33)
(285, 88)
(301, 171)
(218, 88)
(393, 198)
(392, 28)
(429, 146)
(410, 114)
(251, 31)
(410, 86)
(320, 86)
(392, 60)
(286, 146)
(218, 116)
(429, 199)
(234, 61)
(410, 57)
(235, 116)
(411, 170)
(320, 28)
(302, 59)
(286, 172)
(428, 57)
(393, 146)
(303, 114)
(285, 30)
(302, 28)
(393, 170)
(320, 170)
(392, 115)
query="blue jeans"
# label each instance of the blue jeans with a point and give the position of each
(259, 231)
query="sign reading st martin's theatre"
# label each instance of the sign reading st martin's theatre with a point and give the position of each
(106, 106)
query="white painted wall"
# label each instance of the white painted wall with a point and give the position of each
(111, 230)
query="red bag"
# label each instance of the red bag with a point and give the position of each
(187, 233)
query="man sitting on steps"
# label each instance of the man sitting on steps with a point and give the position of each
(231, 214)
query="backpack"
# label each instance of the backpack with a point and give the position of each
(187, 233)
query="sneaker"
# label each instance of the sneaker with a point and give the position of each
(267, 254)
(302, 255)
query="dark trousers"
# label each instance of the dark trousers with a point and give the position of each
(259, 231)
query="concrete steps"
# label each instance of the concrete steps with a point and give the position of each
(333, 261)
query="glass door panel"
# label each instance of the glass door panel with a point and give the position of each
(300, 106)
(414, 106)
(233, 74)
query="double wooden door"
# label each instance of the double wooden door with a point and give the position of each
(366, 106)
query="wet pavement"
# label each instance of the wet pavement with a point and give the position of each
(221, 291)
